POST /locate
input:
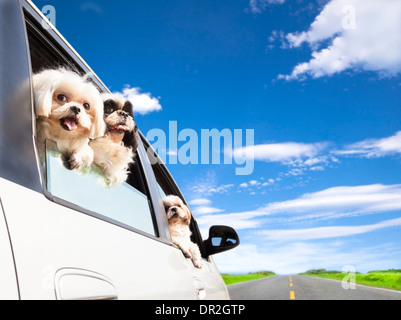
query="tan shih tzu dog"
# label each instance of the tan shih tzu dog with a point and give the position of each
(179, 218)
(69, 112)
(114, 152)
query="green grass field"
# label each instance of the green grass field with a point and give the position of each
(235, 278)
(389, 279)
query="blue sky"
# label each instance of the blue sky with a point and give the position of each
(318, 82)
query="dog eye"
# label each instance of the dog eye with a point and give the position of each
(86, 106)
(62, 98)
(108, 110)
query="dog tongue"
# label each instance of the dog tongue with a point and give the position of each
(120, 127)
(70, 123)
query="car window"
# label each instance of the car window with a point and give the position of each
(167, 186)
(87, 188)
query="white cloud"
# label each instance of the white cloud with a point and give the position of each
(362, 35)
(331, 203)
(238, 221)
(281, 152)
(341, 201)
(206, 210)
(257, 6)
(208, 189)
(221, 189)
(200, 202)
(325, 232)
(300, 157)
(254, 183)
(143, 103)
(317, 156)
(202, 206)
(288, 251)
(374, 147)
(303, 157)
(207, 185)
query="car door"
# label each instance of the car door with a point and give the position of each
(65, 251)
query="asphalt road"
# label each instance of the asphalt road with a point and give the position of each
(305, 288)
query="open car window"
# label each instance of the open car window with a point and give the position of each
(167, 186)
(87, 190)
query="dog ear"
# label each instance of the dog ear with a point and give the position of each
(130, 139)
(188, 214)
(128, 107)
(43, 92)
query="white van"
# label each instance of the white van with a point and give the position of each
(63, 236)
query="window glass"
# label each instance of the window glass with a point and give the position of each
(87, 189)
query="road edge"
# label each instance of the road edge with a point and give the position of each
(360, 285)
(233, 284)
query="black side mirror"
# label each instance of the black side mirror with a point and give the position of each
(221, 238)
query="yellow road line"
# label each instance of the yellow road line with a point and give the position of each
(292, 293)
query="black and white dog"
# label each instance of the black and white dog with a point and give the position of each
(115, 150)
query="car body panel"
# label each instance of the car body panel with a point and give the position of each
(56, 237)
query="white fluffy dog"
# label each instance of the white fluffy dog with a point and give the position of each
(69, 111)
(179, 218)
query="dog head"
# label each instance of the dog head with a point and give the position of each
(119, 118)
(177, 212)
(69, 103)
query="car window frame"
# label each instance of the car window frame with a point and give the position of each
(57, 43)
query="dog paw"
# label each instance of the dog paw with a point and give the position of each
(69, 162)
(82, 158)
(197, 263)
(75, 162)
(187, 254)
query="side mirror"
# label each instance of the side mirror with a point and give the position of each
(221, 238)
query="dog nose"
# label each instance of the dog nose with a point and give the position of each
(173, 209)
(76, 110)
(123, 114)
